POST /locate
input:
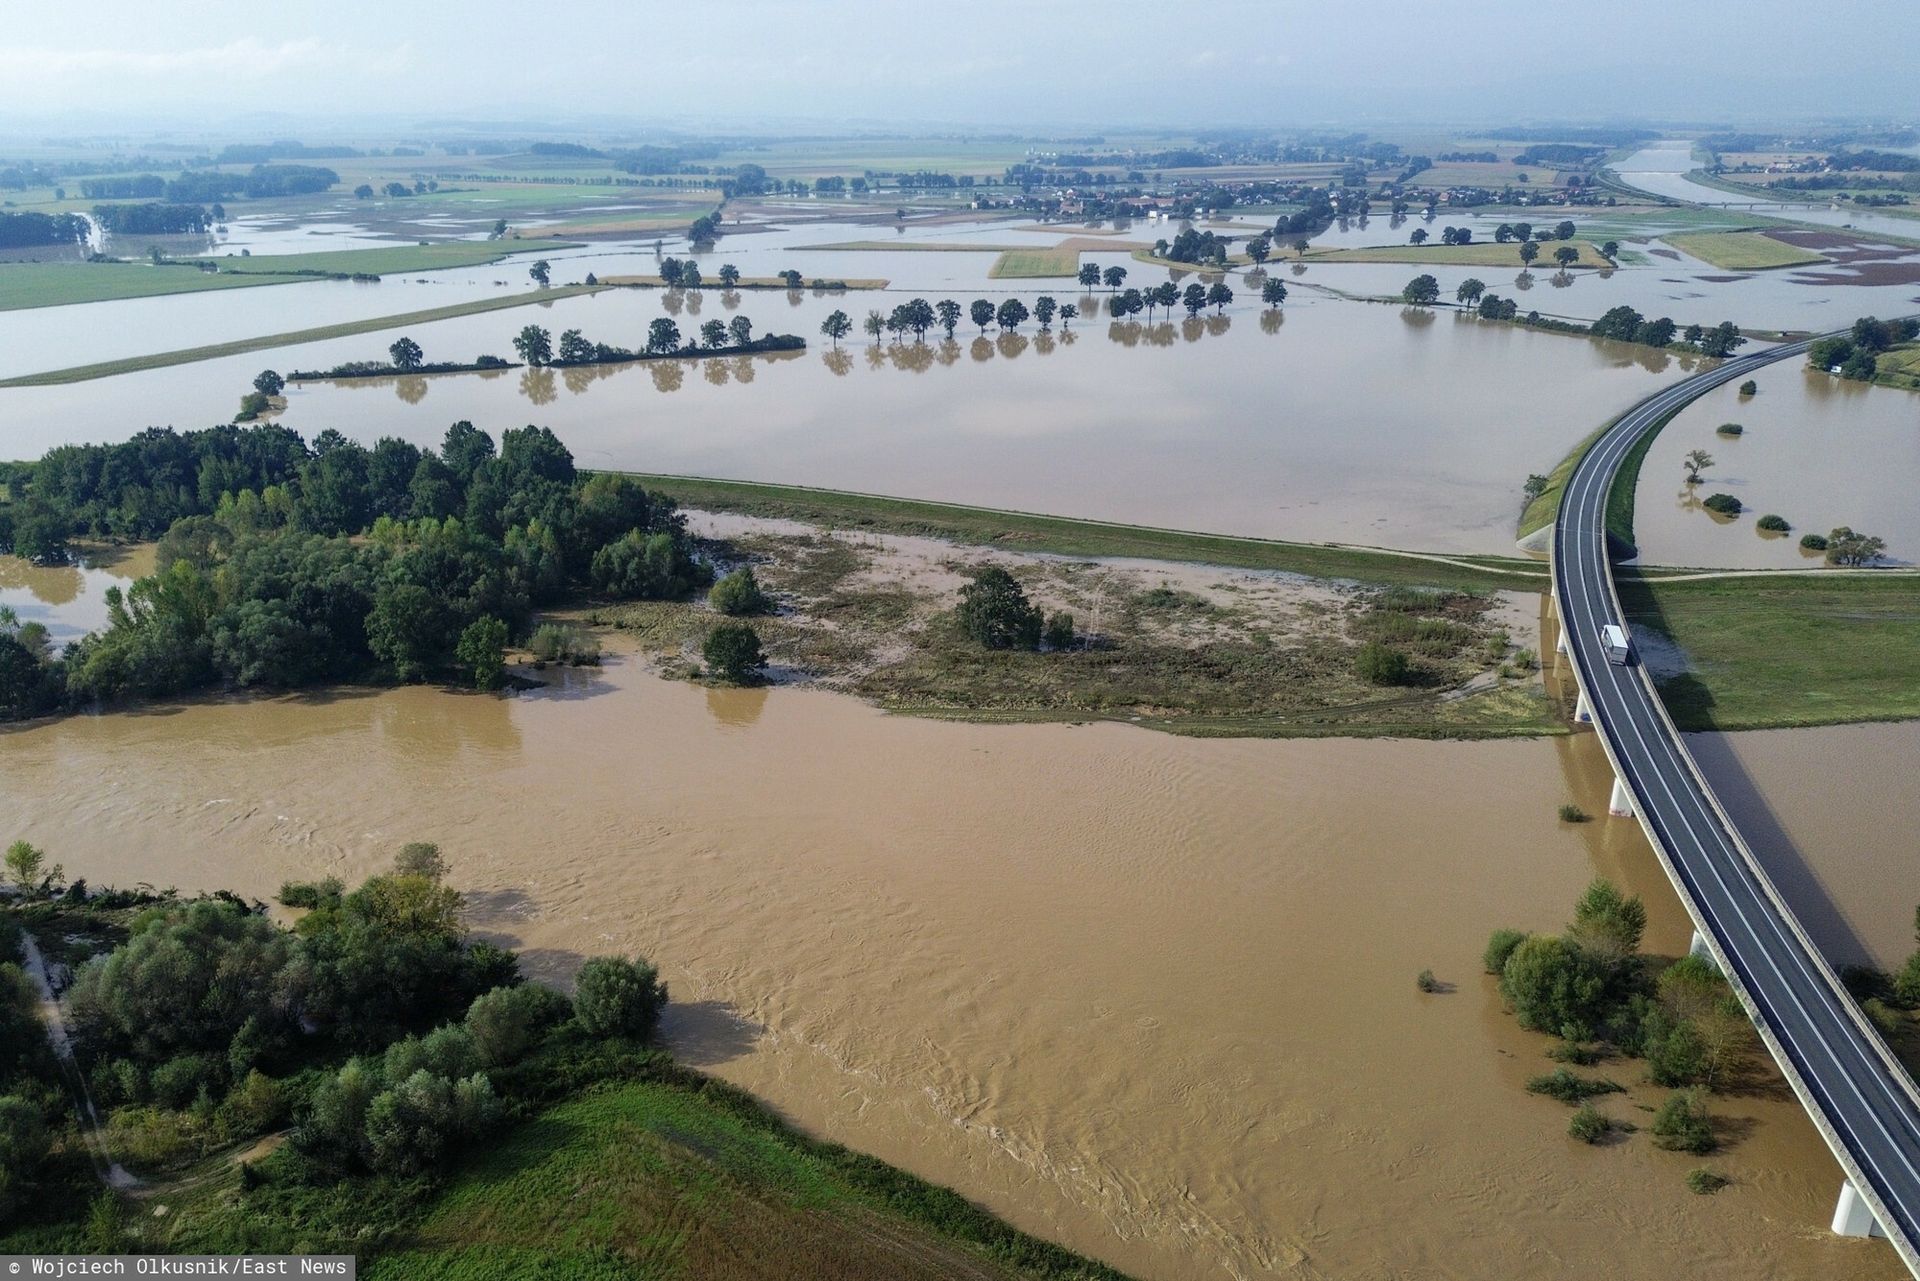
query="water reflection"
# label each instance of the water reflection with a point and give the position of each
(730, 299)
(412, 389)
(1523, 281)
(716, 372)
(537, 385)
(1417, 318)
(1011, 344)
(667, 374)
(1043, 342)
(47, 584)
(1271, 319)
(736, 708)
(981, 348)
(837, 360)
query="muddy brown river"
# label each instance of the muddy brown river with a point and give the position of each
(1148, 996)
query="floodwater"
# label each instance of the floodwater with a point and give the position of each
(1148, 996)
(1326, 421)
(1819, 450)
(1831, 813)
(1663, 167)
(70, 600)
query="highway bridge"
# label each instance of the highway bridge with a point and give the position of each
(1861, 1099)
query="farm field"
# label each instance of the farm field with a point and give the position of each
(1743, 250)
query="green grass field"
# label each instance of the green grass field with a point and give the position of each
(188, 355)
(1069, 537)
(1020, 264)
(25, 285)
(1789, 650)
(1742, 250)
(387, 261)
(1481, 253)
(655, 1180)
(1899, 367)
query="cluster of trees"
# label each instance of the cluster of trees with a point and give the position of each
(152, 219)
(1855, 354)
(33, 230)
(535, 345)
(282, 564)
(916, 316)
(190, 187)
(1591, 987)
(1198, 246)
(374, 1026)
(1627, 325)
(405, 356)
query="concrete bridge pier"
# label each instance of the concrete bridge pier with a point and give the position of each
(1620, 805)
(1853, 1217)
(1583, 710)
(1700, 949)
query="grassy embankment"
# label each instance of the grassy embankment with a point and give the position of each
(655, 1179)
(1804, 649)
(56, 284)
(1067, 536)
(346, 329)
(913, 247)
(1481, 253)
(1899, 367)
(1743, 250)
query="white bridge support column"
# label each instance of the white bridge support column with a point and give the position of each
(1700, 949)
(1620, 805)
(1853, 1217)
(1561, 644)
(1583, 710)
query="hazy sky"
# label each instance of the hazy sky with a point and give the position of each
(1032, 66)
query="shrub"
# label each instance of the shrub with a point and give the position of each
(617, 997)
(420, 858)
(311, 893)
(733, 653)
(1058, 633)
(1749, 388)
(1570, 1089)
(179, 1080)
(644, 566)
(1426, 982)
(562, 643)
(508, 1021)
(995, 612)
(23, 1146)
(739, 595)
(252, 405)
(1813, 542)
(1381, 664)
(1682, 1123)
(1553, 986)
(1704, 1182)
(256, 1105)
(1589, 1124)
(1571, 813)
(448, 1052)
(1729, 429)
(151, 1138)
(411, 1126)
(1773, 524)
(1499, 948)
(1722, 504)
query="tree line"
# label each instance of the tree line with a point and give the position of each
(1856, 354)
(282, 564)
(32, 230)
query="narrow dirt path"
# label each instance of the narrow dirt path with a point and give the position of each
(104, 1165)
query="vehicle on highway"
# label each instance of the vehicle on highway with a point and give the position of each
(1613, 639)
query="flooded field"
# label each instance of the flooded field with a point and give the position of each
(1831, 812)
(1820, 451)
(1662, 169)
(1151, 997)
(1328, 421)
(70, 600)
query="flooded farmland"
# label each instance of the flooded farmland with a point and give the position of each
(1818, 450)
(1151, 997)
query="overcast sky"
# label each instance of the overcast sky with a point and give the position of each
(1035, 65)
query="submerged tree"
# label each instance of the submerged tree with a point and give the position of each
(837, 326)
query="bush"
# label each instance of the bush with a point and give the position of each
(1571, 813)
(508, 1021)
(23, 1146)
(1058, 633)
(1723, 504)
(311, 893)
(738, 594)
(996, 613)
(1499, 948)
(411, 1126)
(1570, 1089)
(1773, 524)
(733, 653)
(1553, 986)
(420, 858)
(1729, 429)
(562, 643)
(1682, 1123)
(151, 1138)
(1426, 982)
(255, 1106)
(1381, 664)
(1813, 542)
(642, 566)
(617, 997)
(1589, 1124)
(1704, 1182)
(178, 1081)
(1749, 388)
